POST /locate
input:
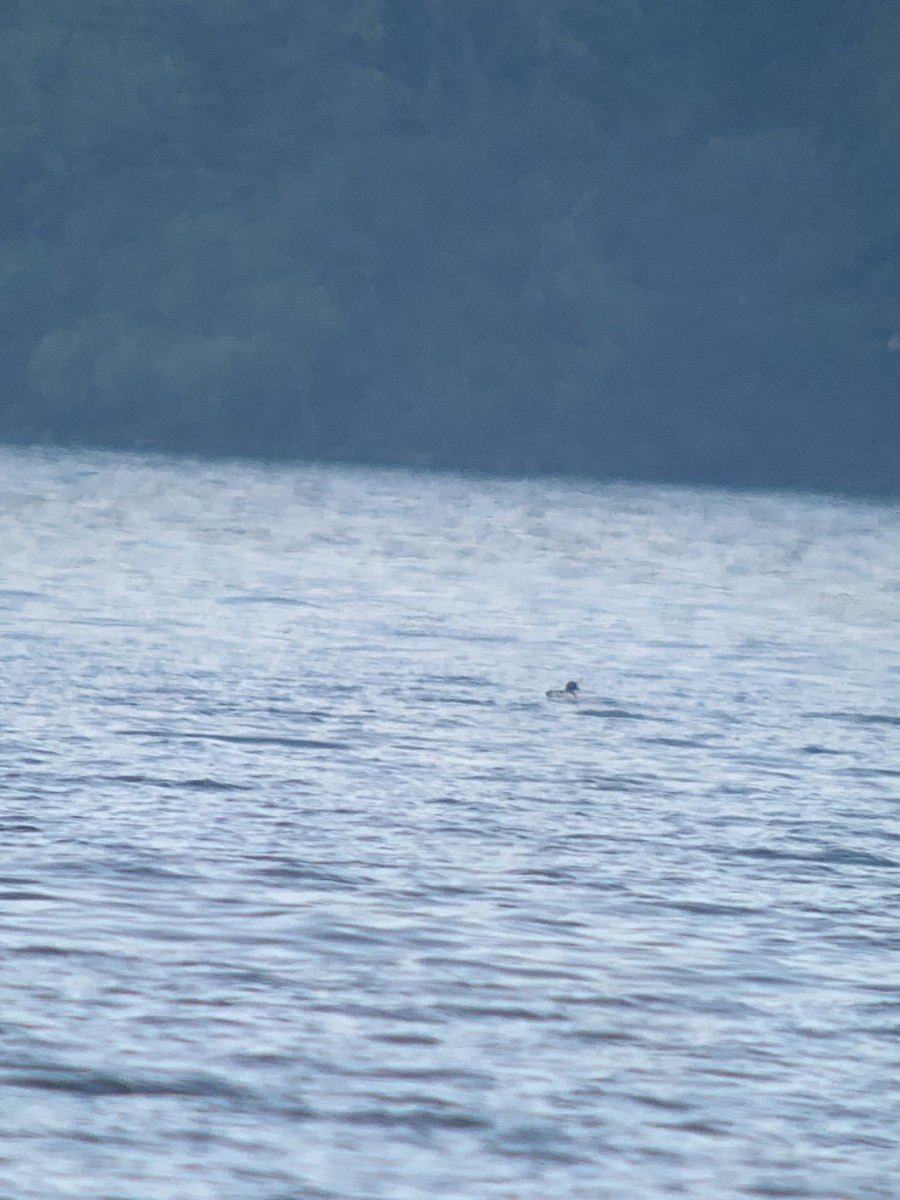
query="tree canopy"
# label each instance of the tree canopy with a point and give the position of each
(619, 237)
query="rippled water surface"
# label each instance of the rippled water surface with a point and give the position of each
(308, 892)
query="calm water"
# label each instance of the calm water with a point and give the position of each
(308, 892)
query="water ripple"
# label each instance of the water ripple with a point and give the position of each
(309, 893)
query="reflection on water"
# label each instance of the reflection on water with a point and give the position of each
(309, 892)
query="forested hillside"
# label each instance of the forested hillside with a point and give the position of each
(623, 237)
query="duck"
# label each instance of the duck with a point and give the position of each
(569, 692)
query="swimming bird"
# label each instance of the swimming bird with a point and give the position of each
(569, 692)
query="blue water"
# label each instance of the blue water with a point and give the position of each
(308, 892)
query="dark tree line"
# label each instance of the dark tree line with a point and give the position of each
(622, 237)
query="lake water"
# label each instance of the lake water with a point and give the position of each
(308, 892)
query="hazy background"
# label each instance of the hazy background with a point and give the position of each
(618, 237)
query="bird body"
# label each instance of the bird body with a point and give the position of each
(568, 693)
